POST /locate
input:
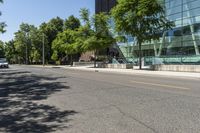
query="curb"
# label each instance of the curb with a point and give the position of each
(184, 75)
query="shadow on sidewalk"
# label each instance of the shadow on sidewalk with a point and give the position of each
(19, 110)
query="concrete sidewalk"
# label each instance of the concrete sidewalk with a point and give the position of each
(141, 72)
(129, 71)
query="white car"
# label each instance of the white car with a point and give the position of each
(3, 63)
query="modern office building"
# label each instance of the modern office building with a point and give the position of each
(181, 45)
(104, 5)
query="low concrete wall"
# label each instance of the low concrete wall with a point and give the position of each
(82, 63)
(116, 66)
(177, 68)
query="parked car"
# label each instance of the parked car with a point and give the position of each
(3, 63)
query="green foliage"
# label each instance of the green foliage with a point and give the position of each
(60, 45)
(92, 36)
(28, 40)
(36, 42)
(85, 14)
(120, 38)
(22, 41)
(142, 19)
(60, 38)
(2, 27)
(50, 31)
(99, 38)
(10, 52)
(2, 49)
(52, 28)
(2, 24)
(71, 23)
(70, 41)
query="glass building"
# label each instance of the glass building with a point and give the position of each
(104, 5)
(181, 45)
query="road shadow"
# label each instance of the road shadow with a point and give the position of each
(20, 111)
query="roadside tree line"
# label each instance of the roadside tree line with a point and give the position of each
(144, 20)
(62, 39)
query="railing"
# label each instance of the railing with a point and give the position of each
(119, 61)
(151, 60)
(176, 59)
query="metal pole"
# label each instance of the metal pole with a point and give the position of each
(43, 58)
(26, 54)
(27, 41)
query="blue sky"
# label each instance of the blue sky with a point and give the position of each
(14, 12)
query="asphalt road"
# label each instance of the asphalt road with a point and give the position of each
(40, 100)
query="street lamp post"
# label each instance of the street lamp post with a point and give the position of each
(43, 56)
(26, 54)
(27, 41)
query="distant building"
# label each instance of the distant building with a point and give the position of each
(181, 45)
(104, 5)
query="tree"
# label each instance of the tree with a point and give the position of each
(93, 35)
(142, 19)
(50, 31)
(70, 41)
(23, 42)
(2, 49)
(60, 45)
(36, 40)
(71, 23)
(10, 52)
(2, 24)
(26, 46)
(98, 38)
(85, 16)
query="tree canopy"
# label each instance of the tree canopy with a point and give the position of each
(142, 19)
(2, 49)
(2, 24)
(10, 52)
(62, 39)
(99, 37)
(93, 35)
(72, 23)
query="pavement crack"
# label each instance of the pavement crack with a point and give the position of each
(133, 118)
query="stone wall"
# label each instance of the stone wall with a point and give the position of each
(177, 68)
(82, 63)
(116, 66)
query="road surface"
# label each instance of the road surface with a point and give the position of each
(57, 100)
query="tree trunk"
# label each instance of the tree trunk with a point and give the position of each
(71, 62)
(140, 56)
(95, 55)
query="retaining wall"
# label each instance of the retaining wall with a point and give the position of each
(177, 68)
(116, 66)
(82, 63)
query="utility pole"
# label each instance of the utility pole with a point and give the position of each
(43, 58)
(27, 42)
(26, 54)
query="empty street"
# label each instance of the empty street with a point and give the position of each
(38, 100)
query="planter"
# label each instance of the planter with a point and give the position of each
(116, 66)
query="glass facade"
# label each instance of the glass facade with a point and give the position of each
(104, 5)
(180, 45)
